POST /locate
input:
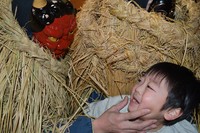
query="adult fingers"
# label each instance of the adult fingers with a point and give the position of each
(140, 126)
(132, 131)
(135, 114)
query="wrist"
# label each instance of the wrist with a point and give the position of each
(96, 127)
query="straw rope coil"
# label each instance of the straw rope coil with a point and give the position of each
(34, 87)
(116, 41)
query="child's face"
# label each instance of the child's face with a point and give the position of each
(150, 92)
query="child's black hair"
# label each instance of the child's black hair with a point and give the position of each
(184, 88)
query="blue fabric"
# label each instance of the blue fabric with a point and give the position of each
(82, 124)
(94, 96)
(22, 11)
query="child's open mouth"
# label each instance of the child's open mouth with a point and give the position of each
(135, 99)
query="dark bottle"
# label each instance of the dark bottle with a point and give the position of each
(165, 7)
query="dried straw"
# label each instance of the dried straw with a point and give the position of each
(35, 89)
(116, 41)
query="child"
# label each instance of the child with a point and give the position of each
(170, 91)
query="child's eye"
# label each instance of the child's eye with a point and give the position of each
(149, 87)
(140, 79)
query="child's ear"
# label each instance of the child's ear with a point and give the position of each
(172, 114)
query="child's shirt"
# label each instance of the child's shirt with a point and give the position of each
(95, 109)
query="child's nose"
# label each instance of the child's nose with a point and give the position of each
(141, 89)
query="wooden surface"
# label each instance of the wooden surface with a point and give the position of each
(77, 3)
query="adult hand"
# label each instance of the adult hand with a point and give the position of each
(112, 121)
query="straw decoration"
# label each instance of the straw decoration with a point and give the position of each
(36, 93)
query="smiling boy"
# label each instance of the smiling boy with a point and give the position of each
(170, 91)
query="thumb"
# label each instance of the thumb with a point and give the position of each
(120, 105)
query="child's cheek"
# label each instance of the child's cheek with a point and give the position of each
(146, 102)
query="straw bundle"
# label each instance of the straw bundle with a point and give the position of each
(116, 41)
(34, 87)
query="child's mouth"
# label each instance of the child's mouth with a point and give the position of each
(134, 104)
(135, 100)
